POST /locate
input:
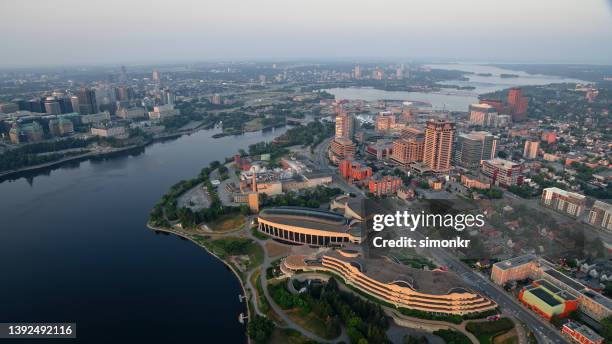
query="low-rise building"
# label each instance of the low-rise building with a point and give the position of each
(353, 171)
(601, 215)
(96, 118)
(590, 303)
(386, 185)
(581, 334)
(131, 113)
(163, 111)
(342, 149)
(109, 131)
(566, 202)
(474, 183)
(547, 300)
(503, 172)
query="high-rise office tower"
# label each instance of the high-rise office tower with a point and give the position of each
(437, 153)
(531, 149)
(74, 101)
(156, 76)
(52, 106)
(517, 104)
(357, 72)
(87, 101)
(472, 148)
(345, 125)
(36, 105)
(168, 97)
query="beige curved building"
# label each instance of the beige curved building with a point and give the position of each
(308, 226)
(402, 286)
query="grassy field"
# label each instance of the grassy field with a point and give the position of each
(226, 223)
(486, 331)
(231, 246)
(311, 323)
(253, 125)
(288, 336)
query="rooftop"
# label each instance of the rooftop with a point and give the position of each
(545, 296)
(514, 262)
(565, 193)
(307, 218)
(584, 330)
(384, 271)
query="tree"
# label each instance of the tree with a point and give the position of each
(260, 329)
(606, 328)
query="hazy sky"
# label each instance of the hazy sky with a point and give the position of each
(41, 32)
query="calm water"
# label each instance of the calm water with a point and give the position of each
(455, 100)
(486, 84)
(74, 248)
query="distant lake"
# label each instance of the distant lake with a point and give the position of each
(486, 84)
(450, 99)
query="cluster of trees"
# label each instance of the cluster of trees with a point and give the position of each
(309, 135)
(490, 193)
(415, 340)
(606, 328)
(365, 321)
(310, 198)
(452, 337)
(28, 155)
(490, 328)
(260, 329)
(524, 191)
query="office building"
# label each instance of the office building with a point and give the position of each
(386, 185)
(52, 106)
(168, 97)
(163, 111)
(531, 149)
(35, 105)
(408, 150)
(9, 108)
(503, 172)
(385, 121)
(342, 149)
(345, 125)
(517, 104)
(483, 115)
(87, 102)
(131, 112)
(472, 148)
(61, 126)
(438, 148)
(353, 171)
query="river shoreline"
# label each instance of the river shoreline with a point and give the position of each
(91, 155)
(227, 264)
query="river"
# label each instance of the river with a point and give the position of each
(74, 248)
(450, 99)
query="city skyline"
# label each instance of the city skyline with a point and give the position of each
(141, 32)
